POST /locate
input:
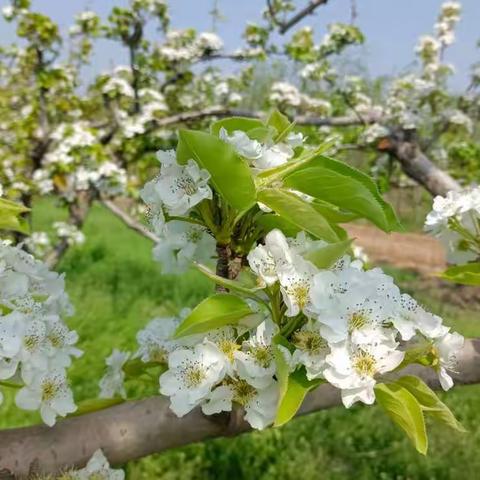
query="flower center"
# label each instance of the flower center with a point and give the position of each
(157, 354)
(31, 342)
(187, 184)
(193, 376)
(243, 392)
(228, 348)
(49, 390)
(311, 342)
(300, 292)
(357, 321)
(194, 235)
(262, 356)
(365, 364)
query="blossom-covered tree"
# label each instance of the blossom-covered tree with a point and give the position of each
(248, 198)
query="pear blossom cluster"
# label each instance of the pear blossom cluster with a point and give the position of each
(455, 221)
(36, 346)
(171, 197)
(354, 319)
(213, 371)
(185, 45)
(345, 325)
(287, 95)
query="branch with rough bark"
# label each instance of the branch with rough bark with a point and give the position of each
(417, 165)
(78, 212)
(138, 428)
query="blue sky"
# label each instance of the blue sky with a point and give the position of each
(391, 28)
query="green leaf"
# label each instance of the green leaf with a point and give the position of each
(326, 256)
(236, 123)
(345, 187)
(10, 216)
(230, 175)
(273, 174)
(297, 388)
(216, 311)
(403, 408)
(468, 274)
(270, 221)
(298, 212)
(279, 122)
(282, 367)
(332, 213)
(94, 405)
(430, 402)
(232, 285)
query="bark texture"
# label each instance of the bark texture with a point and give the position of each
(139, 428)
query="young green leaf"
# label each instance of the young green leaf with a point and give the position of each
(216, 311)
(297, 388)
(345, 187)
(230, 175)
(403, 408)
(298, 212)
(279, 122)
(430, 402)
(283, 369)
(468, 274)
(270, 221)
(10, 216)
(276, 173)
(326, 256)
(235, 123)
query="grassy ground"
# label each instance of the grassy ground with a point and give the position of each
(116, 289)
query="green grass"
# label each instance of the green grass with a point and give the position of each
(116, 289)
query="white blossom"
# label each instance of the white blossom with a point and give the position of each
(260, 404)
(178, 187)
(49, 393)
(98, 468)
(191, 375)
(255, 363)
(112, 383)
(180, 243)
(353, 369)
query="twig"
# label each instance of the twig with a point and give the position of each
(129, 221)
(308, 10)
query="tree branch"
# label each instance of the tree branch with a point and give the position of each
(417, 165)
(286, 25)
(139, 428)
(78, 211)
(129, 221)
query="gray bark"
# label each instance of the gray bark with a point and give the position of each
(138, 428)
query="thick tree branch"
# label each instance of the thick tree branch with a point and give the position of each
(220, 112)
(418, 166)
(139, 428)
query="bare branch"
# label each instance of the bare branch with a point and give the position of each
(129, 220)
(417, 165)
(139, 428)
(219, 111)
(78, 211)
(308, 10)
